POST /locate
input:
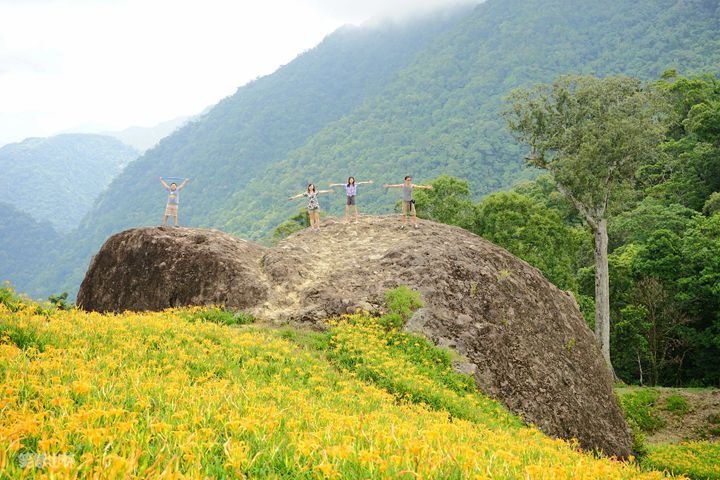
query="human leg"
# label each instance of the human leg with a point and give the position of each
(170, 210)
(312, 218)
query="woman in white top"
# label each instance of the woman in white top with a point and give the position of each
(313, 204)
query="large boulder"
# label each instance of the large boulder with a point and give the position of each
(524, 339)
(161, 267)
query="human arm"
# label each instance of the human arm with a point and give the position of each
(295, 197)
(336, 185)
(163, 183)
(183, 183)
(425, 187)
(365, 183)
(325, 191)
(400, 185)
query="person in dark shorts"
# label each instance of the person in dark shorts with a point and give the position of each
(313, 204)
(173, 201)
(408, 203)
(351, 191)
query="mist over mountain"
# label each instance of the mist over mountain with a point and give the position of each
(441, 115)
(144, 138)
(382, 101)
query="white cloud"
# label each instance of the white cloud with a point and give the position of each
(118, 63)
(354, 11)
(134, 62)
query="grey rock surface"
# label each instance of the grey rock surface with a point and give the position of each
(523, 339)
(162, 267)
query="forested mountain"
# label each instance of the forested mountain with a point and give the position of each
(384, 101)
(26, 246)
(440, 116)
(57, 179)
(224, 149)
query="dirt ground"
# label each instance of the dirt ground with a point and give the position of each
(701, 422)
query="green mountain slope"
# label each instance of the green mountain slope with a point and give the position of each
(57, 179)
(421, 99)
(441, 115)
(224, 149)
(26, 246)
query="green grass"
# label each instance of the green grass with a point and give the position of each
(676, 404)
(640, 409)
(218, 315)
(697, 460)
(376, 350)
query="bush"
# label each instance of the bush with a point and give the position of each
(639, 445)
(9, 298)
(401, 303)
(639, 408)
(60, 300)
(712, 205)
(676, 404)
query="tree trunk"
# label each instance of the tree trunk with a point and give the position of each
(602, 291)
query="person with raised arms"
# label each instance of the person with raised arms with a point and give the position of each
(173, 200)
(408, 203)
(351, 191)
(313, 204)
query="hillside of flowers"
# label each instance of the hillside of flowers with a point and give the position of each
(181, 394)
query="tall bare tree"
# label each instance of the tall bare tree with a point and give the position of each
(591, 134)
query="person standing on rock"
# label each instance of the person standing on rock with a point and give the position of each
(408, 203)
(313, 205)
(173, 200)
(351, 191)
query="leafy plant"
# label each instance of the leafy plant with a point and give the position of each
(640, 409)
(401, 303)
(676, 404)
(60, 300)
(9, 298)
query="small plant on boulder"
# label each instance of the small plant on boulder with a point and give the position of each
(401, 303)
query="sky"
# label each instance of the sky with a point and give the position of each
(106, 65)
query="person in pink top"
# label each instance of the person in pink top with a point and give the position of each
(351, 191)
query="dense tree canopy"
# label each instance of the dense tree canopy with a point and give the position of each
(57, 179)
(591, 134)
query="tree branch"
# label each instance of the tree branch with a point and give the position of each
(584, 211)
